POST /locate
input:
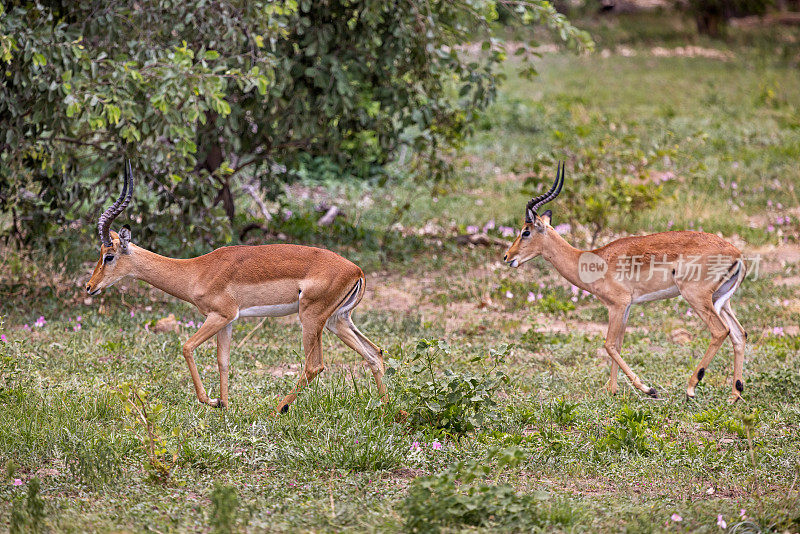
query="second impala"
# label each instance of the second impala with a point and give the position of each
(702, 268)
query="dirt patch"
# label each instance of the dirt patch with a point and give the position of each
(773, 259)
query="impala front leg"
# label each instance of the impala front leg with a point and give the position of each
(213, 324)
(611, 386)
(223, 361)
(616, 322)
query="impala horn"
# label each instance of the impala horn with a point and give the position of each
(117, 207)
(537, 202)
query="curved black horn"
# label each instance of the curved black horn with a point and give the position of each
(117, 207)
(541, 200)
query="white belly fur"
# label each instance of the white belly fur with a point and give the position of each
(658, 295)
(274, 310)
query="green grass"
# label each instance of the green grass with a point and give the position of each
(559, 453)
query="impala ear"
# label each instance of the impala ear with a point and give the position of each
(530, 216)
(124, 238)
(546, 217)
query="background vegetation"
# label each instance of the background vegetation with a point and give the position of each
(498, 418)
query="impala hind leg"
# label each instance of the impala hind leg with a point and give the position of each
(342, 325)
(704, 307)
(738, 338)
(312, 346)
(213, 324)
(223, 362)
(616, 324)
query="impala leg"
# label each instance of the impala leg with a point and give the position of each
(616, 322)
(312, 345)
(611, 386)
(342, 325)
(704, 307)
(213, 324)
(223, 362)
(738, 338)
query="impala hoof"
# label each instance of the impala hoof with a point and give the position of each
(285, 408)
(653, 393)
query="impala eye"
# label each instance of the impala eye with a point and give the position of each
(108, 259)
(526, 233)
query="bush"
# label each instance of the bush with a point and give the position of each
(631, 433)
(462, 495)
(196, 96)
(451, 402)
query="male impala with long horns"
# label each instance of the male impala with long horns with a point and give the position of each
(245, 281)
(702, 268)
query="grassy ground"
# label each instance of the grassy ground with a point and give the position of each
(700, 142)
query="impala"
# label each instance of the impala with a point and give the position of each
(702, 268)
(245, 281)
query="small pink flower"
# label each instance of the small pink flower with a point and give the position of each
(585, 293)
(190, 324)
(539, 296)
(574, 290)
(147, 327)
(3, 338)
(26, 327)
(76, 327)
(472, 229)
(777, 331)
(769, 203)
(676, 518)
(436, 446)
(689, 312)
(131, 313)
(509, 295)
(356, 442)
(79, 319)
(574, 299)
(507, 231)
(40, 322)
(17, 482)
(721, 523)
(531, 296)
(416, 446)
(670, 224)
(489, 225)
(742, 514)
(770, 228)
(287, 215)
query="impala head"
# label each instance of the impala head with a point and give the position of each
(530, 240)
(114, 263)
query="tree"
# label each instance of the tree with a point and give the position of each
(712, 16)
(196, 92)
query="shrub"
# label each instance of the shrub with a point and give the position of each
(449, 401)
(630, 432)
(463, 495)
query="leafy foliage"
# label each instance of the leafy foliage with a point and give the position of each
(30, 515)
(196, 92)
(631, 433)
(462, 495)
(452, 402)
(144, 413)
(224, 505)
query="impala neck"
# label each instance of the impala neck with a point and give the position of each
(170, 275)
(564, 257)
